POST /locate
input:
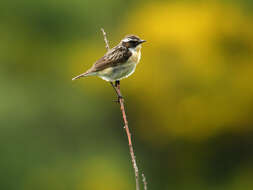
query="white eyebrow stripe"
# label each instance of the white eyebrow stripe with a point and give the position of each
(126, 39)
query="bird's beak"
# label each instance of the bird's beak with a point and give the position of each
(142, 41)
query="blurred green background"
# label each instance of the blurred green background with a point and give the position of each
(189, 103)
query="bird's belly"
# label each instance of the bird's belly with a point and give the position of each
(118, 72)
(123, 70)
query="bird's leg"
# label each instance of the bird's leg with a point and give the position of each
(117, 83)
(116, 87)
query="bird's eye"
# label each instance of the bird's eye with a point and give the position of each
(134, 43)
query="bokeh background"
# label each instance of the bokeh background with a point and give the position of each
(189, 103)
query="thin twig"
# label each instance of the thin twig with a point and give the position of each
(105, 38)
(144, 182)
(122, 107)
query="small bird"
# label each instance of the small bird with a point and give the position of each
(119, 62)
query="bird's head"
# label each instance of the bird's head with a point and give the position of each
(131, 41)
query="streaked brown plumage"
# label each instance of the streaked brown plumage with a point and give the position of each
(119, 62)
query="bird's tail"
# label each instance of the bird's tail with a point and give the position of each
(83, 75)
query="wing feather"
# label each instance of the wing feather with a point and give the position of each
(116, 56)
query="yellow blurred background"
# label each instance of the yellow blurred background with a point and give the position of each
(189, 103)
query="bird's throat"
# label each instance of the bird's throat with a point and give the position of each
(136, 54)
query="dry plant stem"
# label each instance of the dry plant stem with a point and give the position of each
(144, 182)
(105, 38)
(122, 107)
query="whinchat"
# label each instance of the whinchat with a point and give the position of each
(119, 62)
